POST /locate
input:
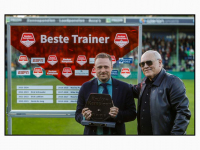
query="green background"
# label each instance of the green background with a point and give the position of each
(68, 126)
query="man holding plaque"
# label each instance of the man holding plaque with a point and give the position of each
(123, 108)
(162, 101)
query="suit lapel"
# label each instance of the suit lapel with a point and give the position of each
(115, 89)
(94, 86)
(93, 89)
(141, 91)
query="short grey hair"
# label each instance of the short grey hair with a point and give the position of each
(157, 55)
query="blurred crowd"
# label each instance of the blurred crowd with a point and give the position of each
(167, 49)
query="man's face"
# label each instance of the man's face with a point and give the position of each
(152, 70)
(103, 69)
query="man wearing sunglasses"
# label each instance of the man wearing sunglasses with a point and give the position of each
(162, 101)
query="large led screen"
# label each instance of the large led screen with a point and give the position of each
(50, 63)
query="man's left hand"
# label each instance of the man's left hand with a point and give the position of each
(113, 111)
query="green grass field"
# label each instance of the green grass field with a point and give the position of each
(67, 126)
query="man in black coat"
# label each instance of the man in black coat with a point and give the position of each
(124, 106)
(162, 101)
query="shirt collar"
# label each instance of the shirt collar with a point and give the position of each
(109, 81)
(148, 81)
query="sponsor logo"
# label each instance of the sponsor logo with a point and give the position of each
(81, 72)
(91, 60)
(23, 72)
(23, 59)
(66, 60)
(67, 71)
(37, 60)
(93, 72)
(52, 59)
(27, 39)
(52, 72)
(81, 60)
(113, 59)
(125, 60)
(125, 72)
(121, 39)
(108, 20)
(114, 73)
(142, 20)
(37, 71)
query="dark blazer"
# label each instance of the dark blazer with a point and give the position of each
(169, 105)
(122, 97)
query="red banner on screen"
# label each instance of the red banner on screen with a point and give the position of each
(64, 46)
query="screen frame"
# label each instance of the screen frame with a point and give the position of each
(55, 113)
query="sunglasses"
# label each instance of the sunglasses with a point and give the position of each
(148, 62)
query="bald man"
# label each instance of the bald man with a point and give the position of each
(162, 101)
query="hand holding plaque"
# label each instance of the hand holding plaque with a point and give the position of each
(98, 109)
(113, 111)
(87, 113)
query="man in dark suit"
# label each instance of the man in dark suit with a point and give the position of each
(124, 106)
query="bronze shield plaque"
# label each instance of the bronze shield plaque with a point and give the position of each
(100, 105)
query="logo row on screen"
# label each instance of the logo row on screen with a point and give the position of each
(67, 72)
(81, 60)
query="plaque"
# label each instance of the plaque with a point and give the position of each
(100, 105)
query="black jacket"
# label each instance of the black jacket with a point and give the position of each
(168, 104)
(122, 97)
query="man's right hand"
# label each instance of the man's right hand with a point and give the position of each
(87, 113)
